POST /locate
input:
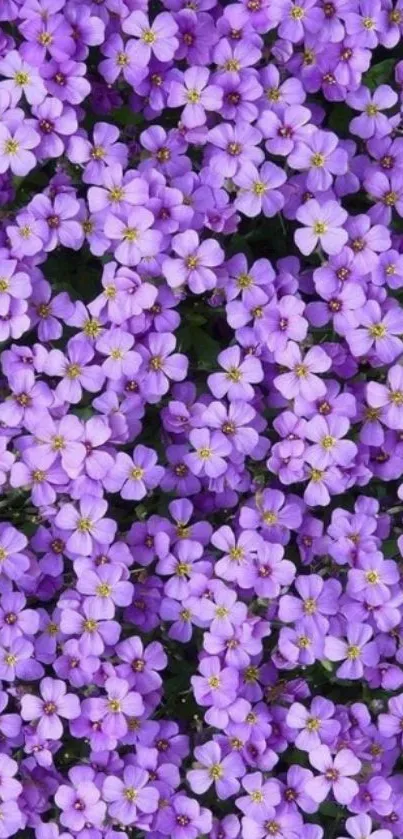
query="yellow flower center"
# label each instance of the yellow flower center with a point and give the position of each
(259, 188)
(45, 39)
(390, 198)
(11, 146)
(90, 625)
(98, 153)
(372, 577)
(232, 65)
(353, 652)
(92, 328)
(234, 374)
(10, 659)
(21, 78)
(148, 36)
(204, 453)
(116, 194)
(328, 442)
(319, 228)
(103, 590)
(84, 525)
(4, 284)
(378, 330)
(237, 554)
(137, 473)
(368, 23)
(310, 606)
(192, 262)
(73, 371)
(156, 363)
(216, 771)
(251, 674)
(318, 160)
(193, 96)
(130, 234)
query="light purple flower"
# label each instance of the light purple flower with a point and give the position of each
(45, 710)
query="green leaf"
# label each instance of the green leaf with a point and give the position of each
(340, 118)
(329, 809)
(206, 348)
(379, 73)
(126, 116)
(389, 548)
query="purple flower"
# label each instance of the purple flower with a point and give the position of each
(16, 143)
(323, 224)
(372, 122)
(185, 819)
(221, 771)
(257, 189)
(134, 476)
(320, 156)
(80, 802)
(128, 795)
(75, 370)
(211, 448)
(302, 379)
(86, 524)
(195, 263)
(356, 653)
(315, 726)
(21, 79)
(335, 775)
(329, 448)
(13, 563)
(114, 710)
(195, 95)
(157, 38)
(45, 710)
(57, 224)
(133, 234)
(358, 826)
(232, 146)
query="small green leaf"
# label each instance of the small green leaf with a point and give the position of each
(390, 548)
(379, 73)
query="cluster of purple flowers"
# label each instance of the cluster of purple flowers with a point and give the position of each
(201, 594)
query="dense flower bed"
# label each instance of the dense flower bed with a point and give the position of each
(201, 425)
